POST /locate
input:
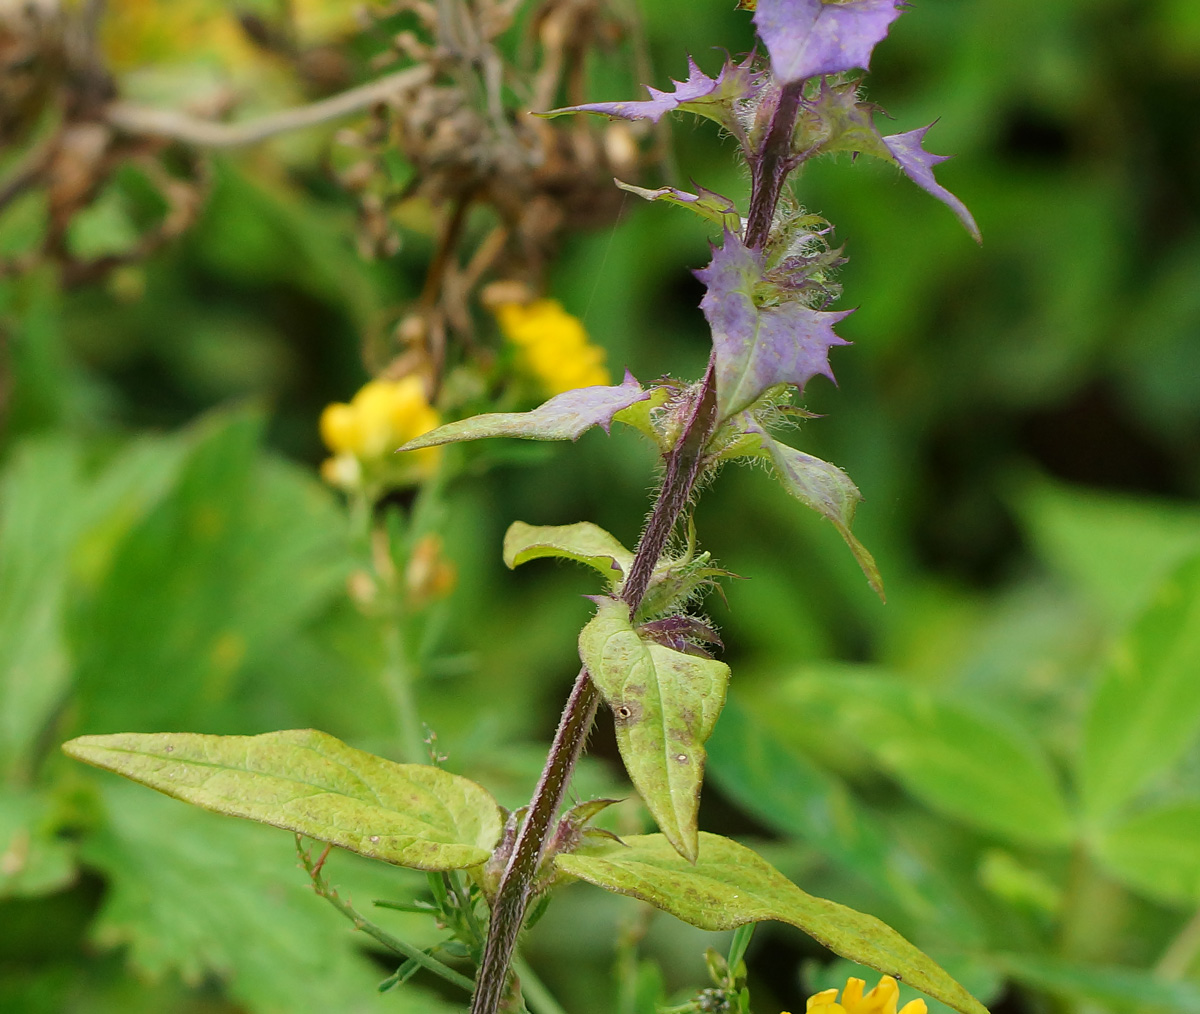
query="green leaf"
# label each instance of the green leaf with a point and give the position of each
(1118, 989)
(204, 898)
(711, 206)
(566, 416)
(57, 525)
(1115, 549)
(306, 781)
(729, 885)
(665, 704)
(1157, 851)
(32, 860)
(961, 759)
(583, 542)
(1145, 712)
(640, 415)
(241, 553)
(38, 523)
(817, 484)
(788, 793)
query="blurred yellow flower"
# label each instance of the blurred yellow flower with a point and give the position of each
(881, 1000)
(363, 434)
(553, 345)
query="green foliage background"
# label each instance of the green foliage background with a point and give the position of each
(1002, 762)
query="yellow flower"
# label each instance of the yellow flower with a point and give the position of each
(552, 344)
(881, 1000)
(363, 434)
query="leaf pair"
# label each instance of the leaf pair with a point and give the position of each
(665, 702)
(421, 816)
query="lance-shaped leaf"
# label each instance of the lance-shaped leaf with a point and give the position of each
(730, 886)
(810, 37)
(665, 704)
(707, 204)
(817, 484)
(306, 781)
(715, 98)
(917, 164)
(758, 346)
(583, 542)
(564, 417)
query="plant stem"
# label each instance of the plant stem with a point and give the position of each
(515, 888)
(772, 165)
(683, 467)
(177, 126)
(322, 887)
(682, 470)
(398, 683)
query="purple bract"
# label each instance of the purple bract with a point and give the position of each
(810, 37)
(917, 164)
(758, 347)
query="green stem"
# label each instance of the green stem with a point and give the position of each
(539, 998)
(322, 887)
(398, 682)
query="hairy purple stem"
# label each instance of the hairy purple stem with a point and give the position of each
(682, 470)
(514, 890)
(772, 164)
(516, 882)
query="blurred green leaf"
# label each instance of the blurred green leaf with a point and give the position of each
(32, 860)
(1157, 851)
(729, 885)
(104, 228)
(197, 896)
(787, 792)
(1114, 549)
(971, 764)
(305, 781)
(665, 704)
(40, 495)
(1116, 989)
(1145, 710)
(240, 553)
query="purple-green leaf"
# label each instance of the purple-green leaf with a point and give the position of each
(810, 37)
(758, 346)
(564, 417)
(917, 164)
(713, 97)
(817, 484)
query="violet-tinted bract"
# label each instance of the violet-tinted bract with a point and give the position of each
(712, 97)
(835, 120)
(810, 37)
(757, 347)
(917, 164)
(564, 417)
